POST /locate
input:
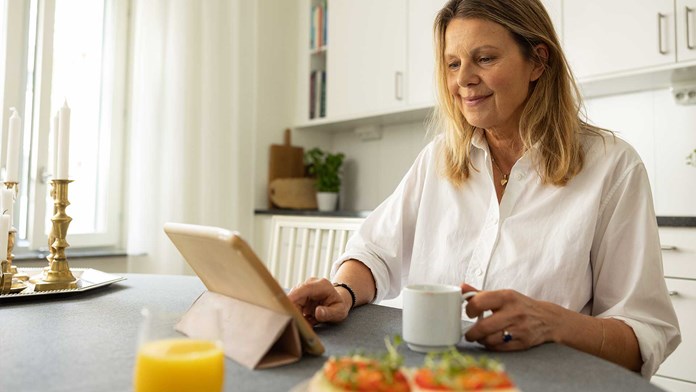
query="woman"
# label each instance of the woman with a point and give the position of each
(550, 217)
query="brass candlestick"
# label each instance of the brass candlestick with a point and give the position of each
(51, 240)
(5, 278)
(12, 277)
(51, 235)
(59, 276)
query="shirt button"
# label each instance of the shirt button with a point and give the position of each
(478, 271)
(519, 176)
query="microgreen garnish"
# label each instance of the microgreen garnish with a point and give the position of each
(387, 363)
(445, 366)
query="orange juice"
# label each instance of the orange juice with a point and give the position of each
(179, 365)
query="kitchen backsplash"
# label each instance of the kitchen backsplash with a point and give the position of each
(662, 132)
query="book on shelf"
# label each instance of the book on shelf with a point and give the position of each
(312, 96)
(322, 95)
(325, 36)
(317, 28)
(317, 94)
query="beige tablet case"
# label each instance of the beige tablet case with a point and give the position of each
(227, 265)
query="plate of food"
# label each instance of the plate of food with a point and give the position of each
(448, 371)
(454, 371)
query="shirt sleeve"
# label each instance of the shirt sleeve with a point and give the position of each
(628, 278)
(384, 241)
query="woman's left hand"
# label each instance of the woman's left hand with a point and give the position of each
(517, 323)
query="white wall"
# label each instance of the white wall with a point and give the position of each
(374, 168)
(276, 74)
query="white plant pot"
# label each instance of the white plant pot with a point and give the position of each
(326, 201)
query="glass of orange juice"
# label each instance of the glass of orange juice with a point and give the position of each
(169, 361)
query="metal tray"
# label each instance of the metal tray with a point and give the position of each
(87, 279)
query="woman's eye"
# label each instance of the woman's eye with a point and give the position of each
(453, 65)
(485, 60)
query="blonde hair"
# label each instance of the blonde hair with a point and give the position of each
(551, 118)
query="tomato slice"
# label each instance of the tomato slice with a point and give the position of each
(473, 379)
(363, 375)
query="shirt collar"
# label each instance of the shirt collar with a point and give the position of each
(478, 140)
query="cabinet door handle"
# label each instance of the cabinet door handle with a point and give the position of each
(689, 33)
(398, 85)
(669, 248)
(673, 293)
(660, 16)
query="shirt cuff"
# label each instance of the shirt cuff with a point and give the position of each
(377, 268)
(654, 345)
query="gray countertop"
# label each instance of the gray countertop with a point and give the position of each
(87, 342)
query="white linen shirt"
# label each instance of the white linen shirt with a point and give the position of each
(591, 246)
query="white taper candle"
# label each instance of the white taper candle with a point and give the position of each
(63, 142)
(13, 137)
(54, 155)
(4, 235)
(6, 202)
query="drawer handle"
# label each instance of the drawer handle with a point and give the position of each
(673, 293)
(660, 16)
(398, 85)
(670, 248)
(688, 29)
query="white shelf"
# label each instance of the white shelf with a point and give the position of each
(639, 80)
(397, 116)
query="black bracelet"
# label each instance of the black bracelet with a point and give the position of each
(350, 291)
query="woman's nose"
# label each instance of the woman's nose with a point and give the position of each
(467, 76)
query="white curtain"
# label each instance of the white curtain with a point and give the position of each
(184, 139)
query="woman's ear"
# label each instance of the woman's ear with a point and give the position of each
(540, 59)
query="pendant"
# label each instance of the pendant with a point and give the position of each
(504, 181)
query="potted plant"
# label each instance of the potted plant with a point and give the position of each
(326, 168)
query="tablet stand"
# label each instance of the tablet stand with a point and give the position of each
(254, 336)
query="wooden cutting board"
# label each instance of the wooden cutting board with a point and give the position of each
(293, 193)
(285, 161)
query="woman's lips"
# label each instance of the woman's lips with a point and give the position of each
(475, 99)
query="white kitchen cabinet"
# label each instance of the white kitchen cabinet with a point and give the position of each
(671, 385)
(680, 365)
(420, 76)
(679, 252)
(366, 56)
(606, 37)
(679, 261)
(686, 30)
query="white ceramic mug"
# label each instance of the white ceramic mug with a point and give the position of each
(432, 316)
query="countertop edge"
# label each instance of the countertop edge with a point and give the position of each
(676, 221)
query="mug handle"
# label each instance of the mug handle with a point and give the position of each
(468, 295)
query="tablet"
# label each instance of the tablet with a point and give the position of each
(227, 265)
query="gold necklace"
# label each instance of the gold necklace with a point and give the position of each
(504, 180)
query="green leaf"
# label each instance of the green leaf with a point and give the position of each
(326, 168)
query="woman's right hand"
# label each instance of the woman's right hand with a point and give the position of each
(320, 302)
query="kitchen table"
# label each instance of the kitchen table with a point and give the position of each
(87, 342)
